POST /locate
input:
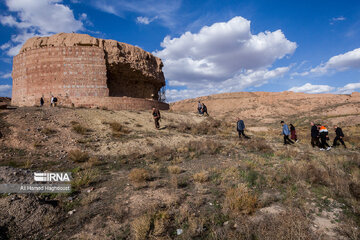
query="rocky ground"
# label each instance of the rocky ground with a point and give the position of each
(192, 179)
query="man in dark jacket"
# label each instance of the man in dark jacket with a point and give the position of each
(204, 109)
(241, 128)
(156, 116)
(339, 136)
(314, 135)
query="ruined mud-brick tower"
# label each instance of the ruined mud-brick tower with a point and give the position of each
(81, 70)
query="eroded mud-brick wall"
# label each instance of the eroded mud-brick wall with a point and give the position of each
(82, 70)
(59, 71)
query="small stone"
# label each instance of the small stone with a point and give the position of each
(179, 231)
(72, 212)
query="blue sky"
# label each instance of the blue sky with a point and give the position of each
(208, 47)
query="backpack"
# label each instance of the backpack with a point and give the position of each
(55, 99)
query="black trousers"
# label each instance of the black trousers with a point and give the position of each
(287, 140)
(338, 139)
(157, 124)
(241, 132)
(323, 142)
(315, 141)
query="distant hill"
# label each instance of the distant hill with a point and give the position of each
(263, 106)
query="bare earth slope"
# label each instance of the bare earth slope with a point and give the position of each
(192, 179)
(267, 107)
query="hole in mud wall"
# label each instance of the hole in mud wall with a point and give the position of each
(124, 81)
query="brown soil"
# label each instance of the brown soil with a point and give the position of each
(294, 192)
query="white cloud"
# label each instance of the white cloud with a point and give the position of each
(37, 17)
(152, 9)
(349, 88)
(6, 75)
(309, 88)
(5, 90)
(337, 19)
(225, 56)
(338, 63)
(145, 20)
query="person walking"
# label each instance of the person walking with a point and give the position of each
(293, 133)
(324, 136)
(156, 116)
(204, 110)
(55, 101)
(286, 133)
(52, 101)
(339, 136)
(314, 135)
(241, 128)
(199, 107)
(41, 101)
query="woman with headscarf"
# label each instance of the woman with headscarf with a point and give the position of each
(293, 133)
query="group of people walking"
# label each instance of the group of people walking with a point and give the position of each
(320, 136)
(286, 132)
(53, 101)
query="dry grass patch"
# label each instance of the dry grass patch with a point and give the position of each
(80, 129)
(118, 129)
(240, 200)
(141, 227)
(93, 161)
(78, 156)
(139, 175)
(257, 145)
(201, 177)
(175, 169)
(84, 178)
(202, 147)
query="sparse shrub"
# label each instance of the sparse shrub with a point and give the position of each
(178, 181)
(84, 178)
(183, 127)
(139, 175)
(162, 153)
(79, 129)
(78, 155)
(317, 174)
(141, 227)
(251, 177)
(240, 200)
(93, 161)
(202, 147)
(208, 126)
(161, 223)
(118, 129)
(201, 177)
(258, 145)
(290, 224)
(175, 169)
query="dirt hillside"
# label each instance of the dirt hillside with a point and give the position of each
(192, 179)
(267, 106)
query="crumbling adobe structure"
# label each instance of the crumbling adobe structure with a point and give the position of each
(81, 70)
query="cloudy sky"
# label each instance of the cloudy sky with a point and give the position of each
(210, 46)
